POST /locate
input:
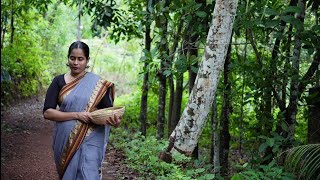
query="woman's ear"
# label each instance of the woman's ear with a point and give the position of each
(87, 66)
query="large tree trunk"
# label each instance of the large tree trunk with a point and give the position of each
(185, 136)
(145, 86)
(224, 121)
(193, 51)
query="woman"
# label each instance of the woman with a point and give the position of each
(79, 146)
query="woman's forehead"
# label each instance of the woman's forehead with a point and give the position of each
(77, 52)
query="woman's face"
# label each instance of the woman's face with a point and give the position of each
(77, 61)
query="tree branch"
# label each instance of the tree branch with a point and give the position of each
(309, 74)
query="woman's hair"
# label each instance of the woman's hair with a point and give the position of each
(81, 45)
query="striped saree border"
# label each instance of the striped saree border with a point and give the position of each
(81, 130)
(66, 88)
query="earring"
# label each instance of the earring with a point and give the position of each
(87, 66)
(67, 64)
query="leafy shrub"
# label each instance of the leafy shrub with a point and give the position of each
(142, 155)
(132, 114)
(269, 172)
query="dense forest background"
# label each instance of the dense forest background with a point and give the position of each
(264, 122)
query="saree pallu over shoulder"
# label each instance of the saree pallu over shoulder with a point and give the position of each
(82, 94)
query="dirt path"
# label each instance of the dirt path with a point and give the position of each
(26, 151)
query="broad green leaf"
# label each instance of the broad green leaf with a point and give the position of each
(315, 28)
(194, 69)
(201, 14)
(284, 126)
(167, 73)
(263, 137)
(271, 12)
(292, 9)
(263, 147)
(272, 23)
(270, 142)
(288, 18)
(237, 177)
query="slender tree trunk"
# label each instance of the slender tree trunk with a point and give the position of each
(162, 81)
(161, 105)
(176, 111)
(292, 108)
(224, 121)
(286, 67)
(171, 121)
(215, 138)
(171, 104)
(185, 136)
(242, 97)
(314, 116)
(145, 86)
(177, 100)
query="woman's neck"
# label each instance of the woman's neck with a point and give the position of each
(74, 76)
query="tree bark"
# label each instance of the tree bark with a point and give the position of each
(162, 80)
(215, 139)
(185, 136)
(224, 121)
(171, 121)
(145, 86)
(292, 108)
(193, 51)
(176, 110)
(314, 116)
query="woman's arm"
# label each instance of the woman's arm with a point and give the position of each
(55, 115)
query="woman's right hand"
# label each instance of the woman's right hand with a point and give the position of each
(84, 117)
(115, 121)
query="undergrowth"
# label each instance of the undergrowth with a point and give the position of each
(142, 156)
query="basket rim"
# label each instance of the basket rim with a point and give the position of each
(114, 108)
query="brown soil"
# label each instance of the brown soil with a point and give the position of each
(26, 151)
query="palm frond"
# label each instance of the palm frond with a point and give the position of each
(304, 161)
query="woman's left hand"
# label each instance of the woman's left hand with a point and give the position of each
(115, 121)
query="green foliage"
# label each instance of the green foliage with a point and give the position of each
(56, 39)
(304, 161)
(269, 172)
(25, 60)
(108, 15)
(132, 103)
(273, 142)
(142, 155)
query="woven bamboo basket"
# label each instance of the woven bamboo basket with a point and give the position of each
(101, 116)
